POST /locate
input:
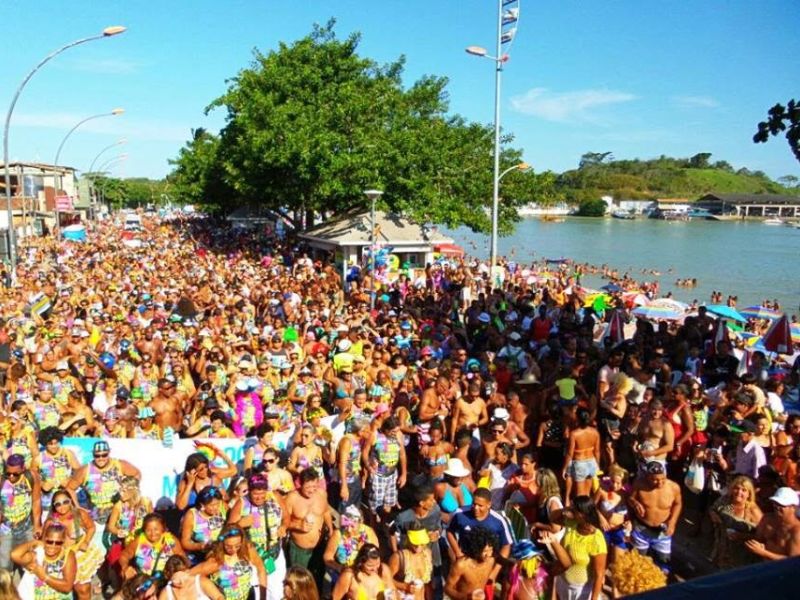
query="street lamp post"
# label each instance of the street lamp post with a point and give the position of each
(108, 163)
(94, 160)
(523, 166)
(372, 196)
(506, 30)
(56, 177)
(107, 32)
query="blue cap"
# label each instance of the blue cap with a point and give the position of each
(100, 446)
(523, 550)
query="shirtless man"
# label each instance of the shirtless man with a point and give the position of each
(655, 504)
(75, 345)
(308, 515)
(778, 534)
(469, 412)
(167, 406)
(518, 411)
(475, 569)
(656, 435)
(433, 405)
(496, 432)
(513, 431)
(151, 346)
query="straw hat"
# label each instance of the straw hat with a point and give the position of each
(455, 468)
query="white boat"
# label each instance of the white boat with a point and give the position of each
(773, 221)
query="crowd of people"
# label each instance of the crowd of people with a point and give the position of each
(457, 440)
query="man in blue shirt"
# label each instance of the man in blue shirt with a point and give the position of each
(480, 514)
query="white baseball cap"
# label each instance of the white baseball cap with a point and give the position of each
(785, 496)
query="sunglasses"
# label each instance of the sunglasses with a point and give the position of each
(13, 474)
(54, 542)
(101, 455)
(62, 503)
(272, 461)
(235, 532)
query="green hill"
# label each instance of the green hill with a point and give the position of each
(600, 175)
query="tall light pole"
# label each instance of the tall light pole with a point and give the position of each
(372, 196)
(56, 177)
(523, 166)
(94, 160)
(104, 150)
(12, 241)
(506, 30)
(108, 163)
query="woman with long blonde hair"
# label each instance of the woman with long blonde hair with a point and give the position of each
(735, 516)
(548, 516)
(8, 590)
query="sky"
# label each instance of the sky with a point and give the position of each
(637, 78)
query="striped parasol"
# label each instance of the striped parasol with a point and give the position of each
(761, 312)
(635, 299)
(794, 328)
(779, 337)
(615, 329)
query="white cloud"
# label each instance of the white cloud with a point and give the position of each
(695, 101)
(562, 107)
(122, 125)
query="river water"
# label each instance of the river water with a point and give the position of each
(748, 259)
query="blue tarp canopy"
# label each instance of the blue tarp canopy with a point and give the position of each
(775, 580)
(76, 233)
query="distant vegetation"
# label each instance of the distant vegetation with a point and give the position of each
(599, 174)
(131, 192)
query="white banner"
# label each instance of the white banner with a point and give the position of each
(161, 467)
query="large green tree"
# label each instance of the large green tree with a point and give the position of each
(199, 175)
(312, 124)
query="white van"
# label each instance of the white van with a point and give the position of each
(133, 222)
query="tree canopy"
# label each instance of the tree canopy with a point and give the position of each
(782, 118)
(312, 124)
(131, 192)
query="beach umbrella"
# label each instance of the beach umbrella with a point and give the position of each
(597, 301)
(670, 303)
(657, 313)
(779, 337)
(726, 312)
(795, 330)
(614, 329)
(635, 299)
(761, 312)
(720, 334)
